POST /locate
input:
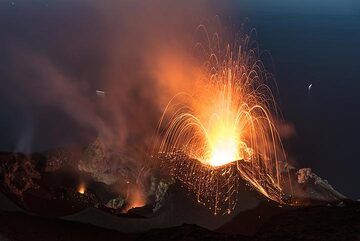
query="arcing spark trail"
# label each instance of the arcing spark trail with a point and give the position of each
(224, 128)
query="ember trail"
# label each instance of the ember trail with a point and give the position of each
(227, 120)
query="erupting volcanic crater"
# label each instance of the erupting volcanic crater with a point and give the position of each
(196, 139)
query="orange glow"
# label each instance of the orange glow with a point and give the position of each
(81, 188)
(135, 198)
(227, 118)
(224, 135)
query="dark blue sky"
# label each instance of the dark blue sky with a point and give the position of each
(317, 42)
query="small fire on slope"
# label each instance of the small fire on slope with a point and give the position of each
(81, 188)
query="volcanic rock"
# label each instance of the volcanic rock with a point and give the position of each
(316, 188)
(306, 224)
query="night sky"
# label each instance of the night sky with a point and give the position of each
(310, 43)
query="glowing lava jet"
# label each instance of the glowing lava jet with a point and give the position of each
(227, 124)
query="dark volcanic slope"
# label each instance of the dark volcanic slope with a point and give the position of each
(188, 232)
(341, 222)
(20, 227)
(249, 221)
(312, 223)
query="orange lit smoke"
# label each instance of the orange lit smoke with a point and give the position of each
(135, 197)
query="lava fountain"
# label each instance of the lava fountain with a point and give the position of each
(224, 128)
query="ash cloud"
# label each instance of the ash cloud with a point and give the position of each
(58, 54)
